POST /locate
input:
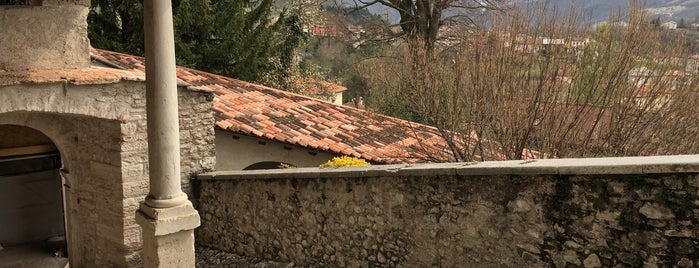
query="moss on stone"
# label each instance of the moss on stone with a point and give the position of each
(681, 203)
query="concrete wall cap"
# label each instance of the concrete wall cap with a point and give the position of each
(566, 166)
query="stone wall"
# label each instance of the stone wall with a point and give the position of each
(99, 127)
(93, 199)
(197, 137)
(197, 153)
(44, 37)
(625, 212)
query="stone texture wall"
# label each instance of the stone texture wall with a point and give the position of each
(197, 137)
(94, 210)
(467, 215)
(629, 221)
(100, 131)
(44, 37)
(197, 153)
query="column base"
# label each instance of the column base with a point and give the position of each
(168, 235)
(174, 201)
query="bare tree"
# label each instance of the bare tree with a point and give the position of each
(422, 19)
(534, 86)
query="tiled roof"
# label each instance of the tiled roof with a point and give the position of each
(260, 111)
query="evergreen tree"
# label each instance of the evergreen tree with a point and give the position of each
(116, 25)
(13, 2)
(237, 38)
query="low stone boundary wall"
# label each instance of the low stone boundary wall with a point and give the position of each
(623, 212)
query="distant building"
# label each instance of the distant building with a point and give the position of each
(693, 65)
(553, 41)
(577, 42)
(521, 43)
(651, 97)
(334, 91)
(671, 25)
(326, 31)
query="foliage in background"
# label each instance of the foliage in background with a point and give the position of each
(116, 25)
(310, 11)
(345, 161)
(498, 94)
(336, 58)
(244, 39)
(14, 2)
(304, 78)
(421, 20)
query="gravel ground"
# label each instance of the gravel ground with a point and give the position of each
(208, 257)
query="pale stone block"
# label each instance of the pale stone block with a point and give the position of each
(133, 170)
(592, 261)
(110, 232)
(135, 187)
(104, 170)
(656, 212)
(132, 237)
(60, 44)
(173, 250)
(163, 221)
(169, 240)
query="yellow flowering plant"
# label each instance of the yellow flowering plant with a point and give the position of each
(345, 161)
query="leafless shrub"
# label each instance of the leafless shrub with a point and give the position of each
(537, 84)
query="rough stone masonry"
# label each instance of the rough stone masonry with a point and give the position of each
(96, 117)
(460, 215)
(99, 129)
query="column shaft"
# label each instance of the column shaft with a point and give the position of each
(166, 217)
(161, 105)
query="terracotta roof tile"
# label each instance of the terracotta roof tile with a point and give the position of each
(283, 116)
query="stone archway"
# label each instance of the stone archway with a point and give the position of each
(31, 192)
(91, 170)
(99, 127)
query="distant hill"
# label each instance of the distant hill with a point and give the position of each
(674, 10)
(377, 9)
(598, 10)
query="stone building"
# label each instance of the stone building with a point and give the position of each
(85, 126)
(73, 144)
(73, 140)
(261, 127)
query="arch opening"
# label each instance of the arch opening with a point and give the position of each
(32, 203)
(269, 165)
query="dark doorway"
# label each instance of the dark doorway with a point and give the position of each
(31, 200)
(31, 195)
(269, 165)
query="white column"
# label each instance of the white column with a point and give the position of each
(167, 217)
(161, 106)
